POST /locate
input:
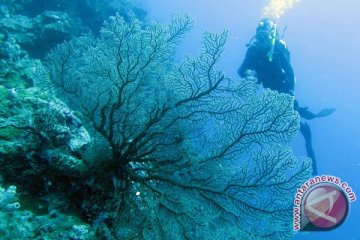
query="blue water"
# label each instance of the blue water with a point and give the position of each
(323, 38)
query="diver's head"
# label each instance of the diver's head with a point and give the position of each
(265, 32)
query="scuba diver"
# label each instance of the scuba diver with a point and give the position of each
(269, 58)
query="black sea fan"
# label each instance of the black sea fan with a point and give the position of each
(194, 155)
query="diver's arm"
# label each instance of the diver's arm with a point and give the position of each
(248, 63)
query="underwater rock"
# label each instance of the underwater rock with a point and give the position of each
(59, 124)
(24, 224)
(50, 29)
(79, 232)
(91, 13)
(39, 34)
(37, 132)
(63, 163)
(18, 27)
(41, 144)
(39, 25)
(8, 199)
(16, 67)
(76, 137)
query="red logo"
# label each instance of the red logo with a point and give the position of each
(325, 207)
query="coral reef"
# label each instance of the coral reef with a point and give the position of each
(135, 145)
(39, 25)
(41, 144)
(42, 130)
(23, 224)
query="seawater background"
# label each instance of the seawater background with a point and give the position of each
(324, 40)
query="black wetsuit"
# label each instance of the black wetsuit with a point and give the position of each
(276, 74)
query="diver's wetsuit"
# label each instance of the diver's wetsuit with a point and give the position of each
(277, 75)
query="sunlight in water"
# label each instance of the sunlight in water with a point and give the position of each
(276, 8)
